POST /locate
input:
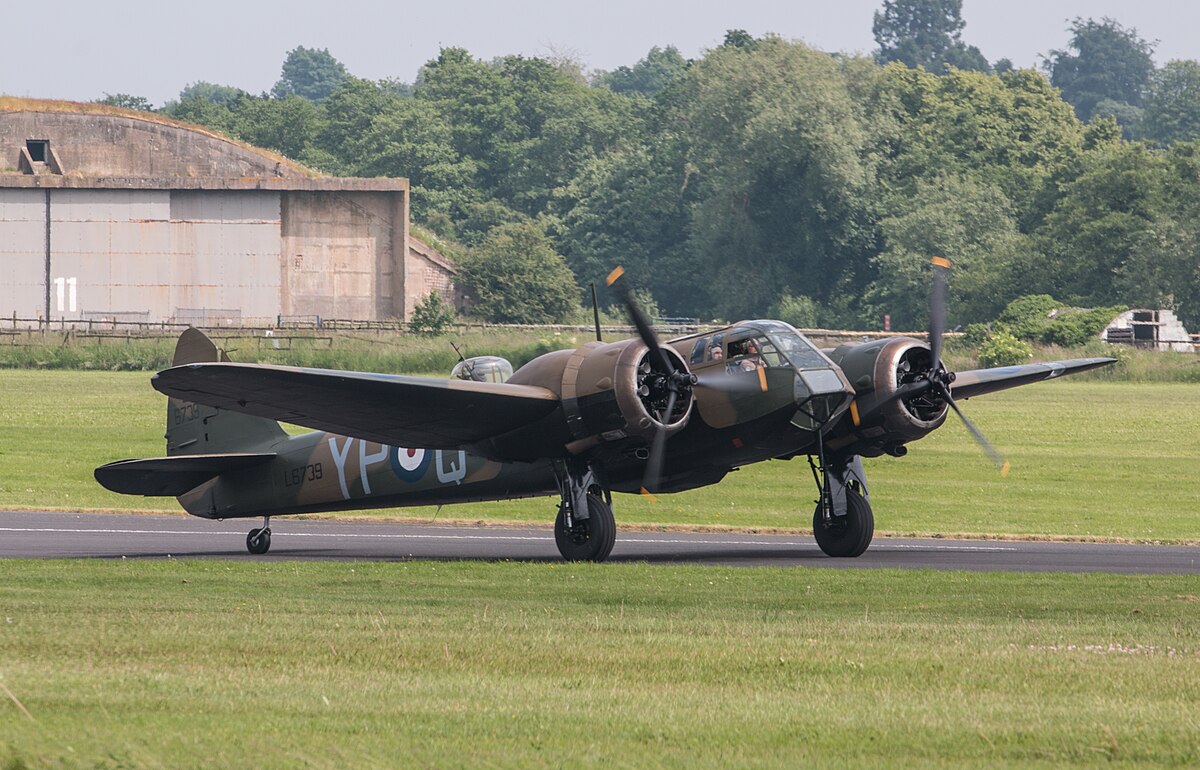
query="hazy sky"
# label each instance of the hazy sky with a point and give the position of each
(80, 51)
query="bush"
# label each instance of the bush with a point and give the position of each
(1078, 327)
(1028, 317)
(1003, 349)
(801, 312)
(976, 334)
(431, 316)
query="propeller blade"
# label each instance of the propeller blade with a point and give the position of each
(658, 449)
(937, 309)
(997, 458)
(639, 320)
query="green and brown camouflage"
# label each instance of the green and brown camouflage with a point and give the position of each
(583, 422)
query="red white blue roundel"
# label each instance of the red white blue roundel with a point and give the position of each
(410, 464)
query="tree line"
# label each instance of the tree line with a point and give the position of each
(769, 178)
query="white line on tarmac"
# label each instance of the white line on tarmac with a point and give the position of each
(512, 538)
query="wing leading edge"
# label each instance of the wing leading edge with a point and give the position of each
(387, 408)
(977, 382)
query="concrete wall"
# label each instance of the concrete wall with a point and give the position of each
(99, 144)
(133, 219)
(141, 254)
(202, 256)
(339, 256)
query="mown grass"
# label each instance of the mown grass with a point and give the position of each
(216, 664)
(1090, 459)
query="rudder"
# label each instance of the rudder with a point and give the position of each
(198, 429)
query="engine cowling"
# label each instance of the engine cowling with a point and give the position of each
(615, 392)
(612, 393)
(878, 423)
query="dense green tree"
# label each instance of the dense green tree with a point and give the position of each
(408, 138)
(285, 125)
(632, 209)
(1011, 131)
(212, 92)
(128, 102)
(776, 148)
(925, 33)
(473, 98)
(1172, 112)
(516, 276)
(1097, 236)
(659, 68)
(1103, 61)
(310, 73)
(963, 219)
(739, 38)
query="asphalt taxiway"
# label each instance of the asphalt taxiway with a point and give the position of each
(33, 534)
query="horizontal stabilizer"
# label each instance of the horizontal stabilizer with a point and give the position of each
(980, 381)
(171, 476)
(391, 409)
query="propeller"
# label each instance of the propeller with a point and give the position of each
(677, 382)
(940, 379)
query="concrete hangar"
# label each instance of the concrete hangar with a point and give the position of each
(118, 215)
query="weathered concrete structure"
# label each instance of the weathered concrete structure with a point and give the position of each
(1150, 328)
(114, 214)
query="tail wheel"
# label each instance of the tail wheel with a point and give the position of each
(258, 541)
(849, 535)
(589, 539)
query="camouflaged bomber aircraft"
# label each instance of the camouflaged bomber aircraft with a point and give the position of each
(627, 416)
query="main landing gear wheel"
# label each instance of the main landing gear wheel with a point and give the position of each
(847, 535)
(258, 541)
(590, 539)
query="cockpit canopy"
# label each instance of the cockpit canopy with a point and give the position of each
(483, 369)
(819, 388)
(757, 344)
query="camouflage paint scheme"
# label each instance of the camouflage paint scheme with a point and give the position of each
(236, 462)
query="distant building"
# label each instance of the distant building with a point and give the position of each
(114, 214)
(1153, 329)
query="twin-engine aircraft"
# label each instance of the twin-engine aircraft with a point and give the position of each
(628, 416)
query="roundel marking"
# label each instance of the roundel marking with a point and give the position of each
(409, 464)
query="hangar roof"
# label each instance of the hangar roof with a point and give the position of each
(56, 144)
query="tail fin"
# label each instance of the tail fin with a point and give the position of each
(197, 429)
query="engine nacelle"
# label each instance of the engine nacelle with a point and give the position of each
(611, 393)
(876, 370)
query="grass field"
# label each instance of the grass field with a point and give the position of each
(211, 664)
(1090, 459)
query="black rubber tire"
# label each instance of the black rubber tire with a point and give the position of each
(850, 535)
(258, 541)
(594, 536)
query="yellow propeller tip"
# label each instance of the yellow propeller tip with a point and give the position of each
(647, 494)
(1004, 469)
(941, 262)
(854, 414)
(762, 379)
(614, 275)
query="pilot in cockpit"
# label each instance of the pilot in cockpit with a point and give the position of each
(745, 356)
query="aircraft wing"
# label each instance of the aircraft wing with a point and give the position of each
(391, 409)
(977, 382)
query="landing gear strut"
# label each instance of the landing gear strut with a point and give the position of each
(843, 522)
(258, 541)
(584, 529)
